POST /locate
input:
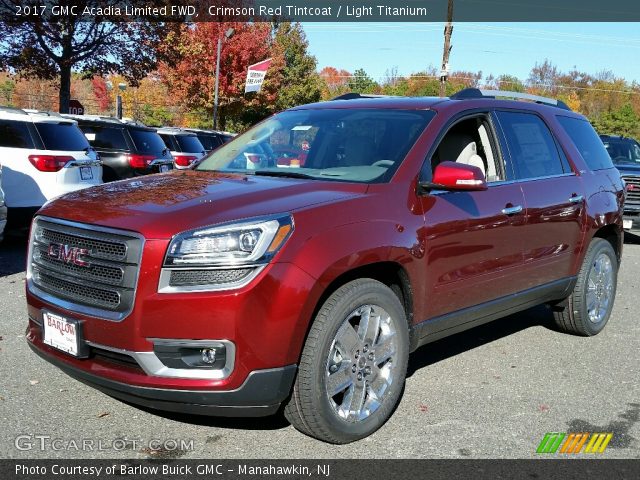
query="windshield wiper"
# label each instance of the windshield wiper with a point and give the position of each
(283, 173)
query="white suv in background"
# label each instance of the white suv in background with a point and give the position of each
(184, 145)
(43, 155)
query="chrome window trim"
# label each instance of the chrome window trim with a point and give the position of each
(152, 365)
(532, 179)
(75, 307)
(165, 277)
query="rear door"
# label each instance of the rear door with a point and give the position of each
(553, 196)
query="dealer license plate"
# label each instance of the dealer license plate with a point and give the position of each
(627, 224)
(86, 173)
(60, 333)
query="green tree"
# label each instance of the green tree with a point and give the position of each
(296, 77)
(623, 121)
(361, 82)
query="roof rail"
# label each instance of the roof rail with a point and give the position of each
(48, 113)
(470, 93)
(19, 111)
(354, 95)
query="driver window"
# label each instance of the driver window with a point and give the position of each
(469, 142)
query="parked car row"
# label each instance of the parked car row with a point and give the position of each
(44, 155)
(625, 154)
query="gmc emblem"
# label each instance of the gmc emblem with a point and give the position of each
(68, 254)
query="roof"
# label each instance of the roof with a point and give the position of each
(33, 116)
(174, 131)
(472, 96)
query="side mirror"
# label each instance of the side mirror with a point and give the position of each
(454, 176)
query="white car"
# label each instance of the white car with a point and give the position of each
(183, 145)
(43, 156)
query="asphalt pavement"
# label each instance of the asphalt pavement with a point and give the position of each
(491, 392)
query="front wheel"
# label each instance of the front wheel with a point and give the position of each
(353, 364)
(587, 310)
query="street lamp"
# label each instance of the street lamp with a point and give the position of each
(228, 34)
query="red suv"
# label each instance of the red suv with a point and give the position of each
(232, 290)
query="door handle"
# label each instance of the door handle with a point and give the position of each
(512, 210)
(576, 199)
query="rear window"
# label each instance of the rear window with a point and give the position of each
(587, 142)
(189, 143)
(169, 141)
(105, 137)
(14, 134)
(147, 141)
(62, 136)
(209, 142)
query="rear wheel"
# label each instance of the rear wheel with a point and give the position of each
(353, 364)
(587, 310)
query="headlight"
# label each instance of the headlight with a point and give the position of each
(224, 257)
(232, 244)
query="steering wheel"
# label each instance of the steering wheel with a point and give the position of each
(622, 159)
(383, 163)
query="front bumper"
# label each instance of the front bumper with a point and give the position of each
(261, 394)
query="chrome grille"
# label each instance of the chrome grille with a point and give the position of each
(84, 268)
(632, 196)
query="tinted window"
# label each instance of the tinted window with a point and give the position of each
(189, 143)
(169, 141)
(587, 142)
(355, 145)
(532, 149)
(14, 134)
(147, 141)
(62, 136)
(209, 142)
(622, 151)
(105, 137)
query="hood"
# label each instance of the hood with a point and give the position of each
(159, 206)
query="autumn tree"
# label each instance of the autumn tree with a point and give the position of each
(335, 82)
(51, 48)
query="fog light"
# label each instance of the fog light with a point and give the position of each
(208, 355)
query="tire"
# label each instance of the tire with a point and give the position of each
(365, 368)
(576, 314)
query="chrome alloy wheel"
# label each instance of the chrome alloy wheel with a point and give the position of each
(362, 363)
(599, 288)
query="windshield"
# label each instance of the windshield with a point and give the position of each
(355, 145)
(623, 151)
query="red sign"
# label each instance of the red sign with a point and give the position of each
(75, 107)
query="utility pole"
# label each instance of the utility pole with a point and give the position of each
(448, 30)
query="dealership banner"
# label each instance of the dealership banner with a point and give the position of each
(255, 75)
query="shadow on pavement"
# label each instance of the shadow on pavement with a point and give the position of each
(13, 253)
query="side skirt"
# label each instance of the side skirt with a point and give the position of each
(460, 320)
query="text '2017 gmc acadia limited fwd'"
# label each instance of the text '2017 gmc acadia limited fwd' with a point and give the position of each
(230, 290)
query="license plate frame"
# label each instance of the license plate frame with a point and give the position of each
(627, 224)
(63, 334)
(86, 174)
